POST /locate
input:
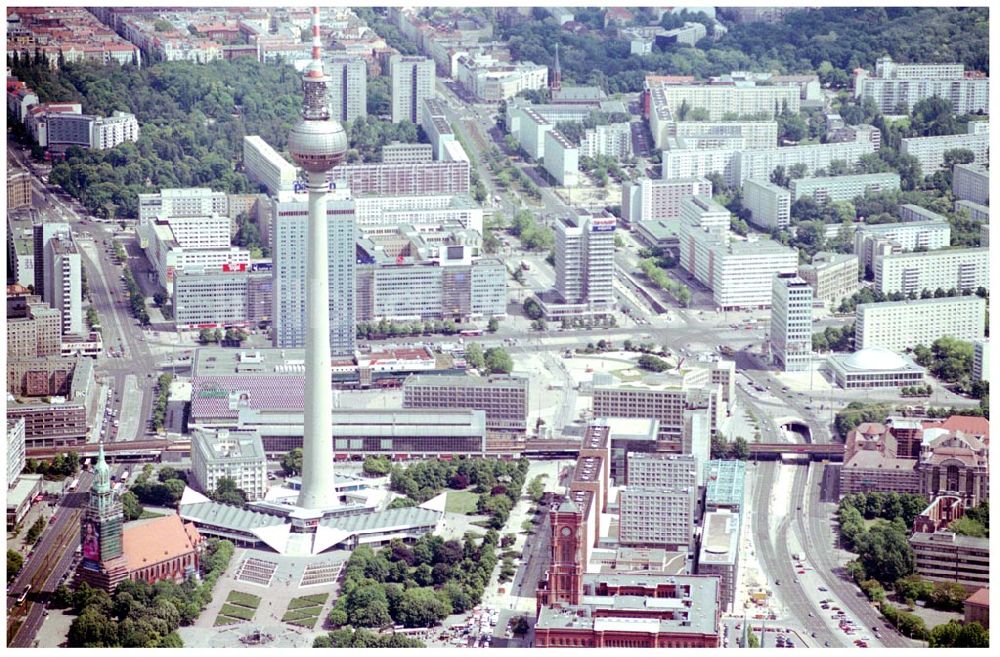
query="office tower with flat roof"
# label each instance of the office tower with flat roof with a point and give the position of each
(41, 234)
(412, 82)
(238, 455)
(657, 506)
(649, 199)
(791, 322)
(63, 283)
(348, 87)
(503, 398)
(585, 250)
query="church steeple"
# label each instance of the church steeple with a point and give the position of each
(102, 472)
(555, 79)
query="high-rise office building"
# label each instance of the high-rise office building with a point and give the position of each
(41, 234)
(658, 503)
(63, 283)
(288, 243)
(791, 322)
(412, 82)
(585, 251)
(348, 88)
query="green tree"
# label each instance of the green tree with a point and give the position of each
(474, 356)
(227, 492)
(652, 363)
(291, 462)
(14, 563)
(493, 325)
(34, 532)
(886, 553)
(131, 506)
(367, 606)
(422, 607)
(498, 361)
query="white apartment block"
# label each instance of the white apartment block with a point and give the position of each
(651, 200)
(698, 163)
(971, 182)
(63, 284)
(720, 100)
(879, 239)
(398, 153)
(749, 134)
(672, 403)
(412, 82)
(964, 269)
(834, 189)
(910, 83)
(182, 202)
(452, 151)
(613, 140)
(705, 213)
(791, 323)
(981, 360)
(978, 127)
(238, 455)
(584, 262)
(384, 214)
(95, 132)
(770, 205)
(901, 325)
(266, 166)
(171, 259)
(435, 125)
(348, 89)
(739, 273)
(199, 232)
(930, 151)
(492, 81)
(288, 248)
(761, 163)
(832, 276)
(569, 113)
(657, 507)
(562, 159)
(531, 131)
(15, 450)
(984, 235)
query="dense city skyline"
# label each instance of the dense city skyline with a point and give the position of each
(547, 327)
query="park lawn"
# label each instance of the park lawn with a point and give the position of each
(300, 614)
(150, 514)
(237, 612)
(221, 620)
(309, 601)
(308, 623)
(461, 501)
(247, 600)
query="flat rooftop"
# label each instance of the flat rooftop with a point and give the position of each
(725, 483)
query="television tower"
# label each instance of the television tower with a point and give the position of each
(317, 144)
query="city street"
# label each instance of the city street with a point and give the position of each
(48, 562)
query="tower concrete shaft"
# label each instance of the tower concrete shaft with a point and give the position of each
(317, 462)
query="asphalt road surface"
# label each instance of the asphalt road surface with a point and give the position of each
(49, 561)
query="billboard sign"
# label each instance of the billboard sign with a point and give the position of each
(91, 542)
(603, 224)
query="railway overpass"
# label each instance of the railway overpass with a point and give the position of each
(773, 451)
